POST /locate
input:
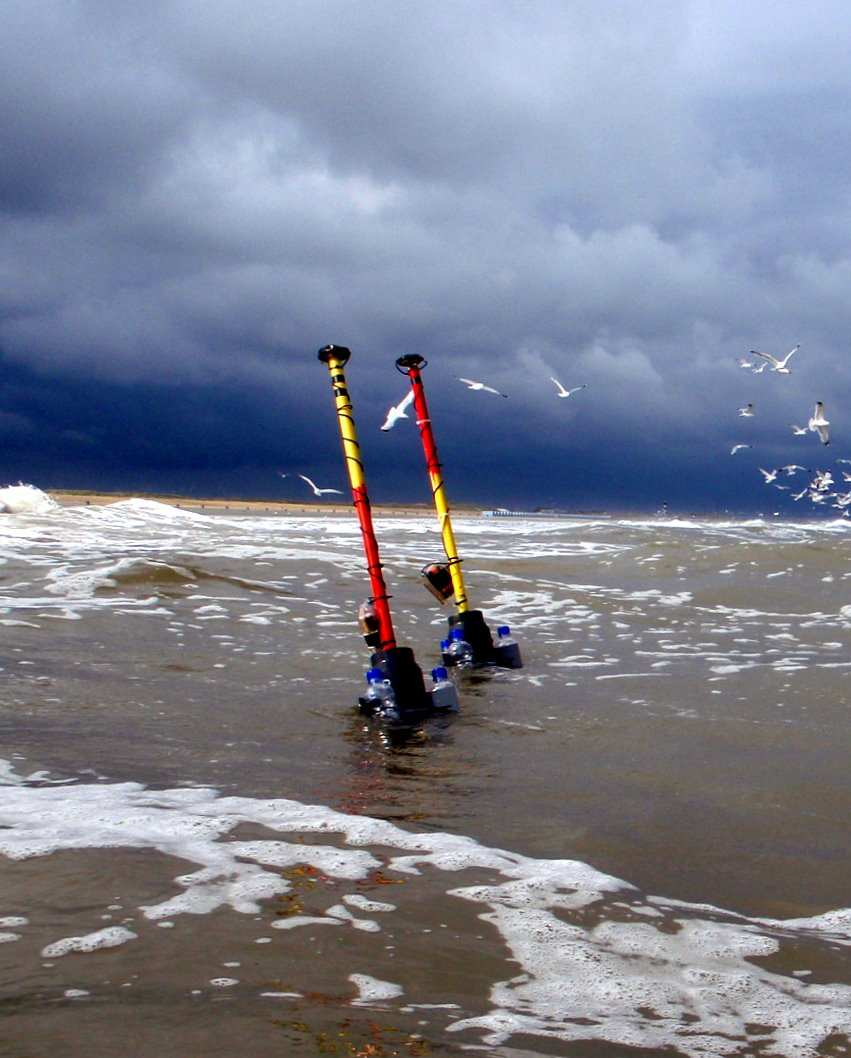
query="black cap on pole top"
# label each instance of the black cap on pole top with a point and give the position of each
(405, 363)
(338, 352)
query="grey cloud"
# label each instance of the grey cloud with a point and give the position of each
(81, 110)
(202, 194)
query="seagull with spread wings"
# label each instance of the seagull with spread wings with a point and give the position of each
(316, 490)
(398, 411)
(480, 386)
(562, 392)
(779, 366)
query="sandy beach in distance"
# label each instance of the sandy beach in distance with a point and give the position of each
(71, 498)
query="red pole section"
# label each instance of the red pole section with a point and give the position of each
(336, 357)
(380, 598)
(424, 422)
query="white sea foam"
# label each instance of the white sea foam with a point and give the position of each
(144, 511)
(295, 921)
(371, 990)
(111, 937)
(684, 979)
(9, 776)
(362, 903)
(25, 499)
(130, 554)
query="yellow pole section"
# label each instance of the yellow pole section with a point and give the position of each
(348, 433)
(449, 545)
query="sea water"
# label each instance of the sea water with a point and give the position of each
(636, 845)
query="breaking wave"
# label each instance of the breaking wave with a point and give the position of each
(25, 499)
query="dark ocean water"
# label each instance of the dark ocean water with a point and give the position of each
(636, 845)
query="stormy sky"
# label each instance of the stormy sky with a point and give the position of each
(196, 195)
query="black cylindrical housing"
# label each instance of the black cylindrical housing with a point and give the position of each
(476, 632)
(406, 677)
(338, 352)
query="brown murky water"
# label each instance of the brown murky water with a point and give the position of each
(635, 845)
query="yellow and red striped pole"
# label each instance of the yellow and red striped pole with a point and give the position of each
(335, 357)
(476, 631)
(411, 366)
(398, 664)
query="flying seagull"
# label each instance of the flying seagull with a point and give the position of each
(470, 384)
(799, 431)
(792, 468)
(747, 412)
(818, 424)
(316, 490)
(737, 448)
(744, 362)
(769, 475)
(822, 481)
(562, 392)
(398, 411)
(778, 365)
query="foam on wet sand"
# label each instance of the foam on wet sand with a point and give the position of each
(592, 965)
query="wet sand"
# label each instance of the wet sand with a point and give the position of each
(682, 724)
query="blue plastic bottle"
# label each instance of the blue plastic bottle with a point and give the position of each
(443, 693)
(507, 649)
(379, 694)
(459, 649)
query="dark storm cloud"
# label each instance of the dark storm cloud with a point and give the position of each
(197, 195)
